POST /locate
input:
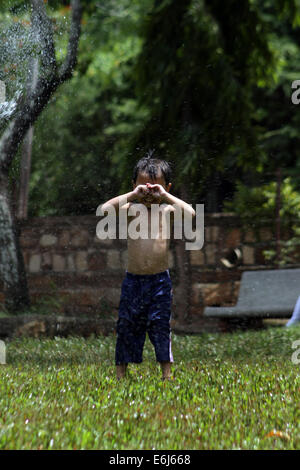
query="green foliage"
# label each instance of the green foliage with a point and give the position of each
(257, 206)
(259, 203)
(199, 84)
(229, 391)
(205, 83)
(276, 117)
(82, 136)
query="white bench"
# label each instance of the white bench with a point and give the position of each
(263, 294)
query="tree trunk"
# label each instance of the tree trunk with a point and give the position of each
(22, 208)
(12, 269)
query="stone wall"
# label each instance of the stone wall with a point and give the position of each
(72, 272)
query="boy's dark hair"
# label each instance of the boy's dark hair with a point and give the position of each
(151, 166)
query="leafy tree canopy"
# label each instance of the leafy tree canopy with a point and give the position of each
(204, 82)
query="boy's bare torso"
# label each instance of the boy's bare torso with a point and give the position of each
(150, 256)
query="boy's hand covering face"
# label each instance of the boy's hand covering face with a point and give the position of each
(141, 191)
(149, 192)
(156, 190)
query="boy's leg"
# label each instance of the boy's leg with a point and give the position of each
(129, 346)
(130, 337)
(160, 336)
(159, 329)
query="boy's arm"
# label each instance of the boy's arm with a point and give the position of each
(165, 197)
(121, 201)
(124, 200)
(183, 206)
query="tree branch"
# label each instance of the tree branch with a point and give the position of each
(66, 69)
(25, 117)
(42, 27)
(48, 81)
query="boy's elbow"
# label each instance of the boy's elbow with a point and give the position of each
(193, 212)
(106, 207)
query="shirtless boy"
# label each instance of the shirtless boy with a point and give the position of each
(146, 294)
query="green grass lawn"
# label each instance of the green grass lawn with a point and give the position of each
(229, 391)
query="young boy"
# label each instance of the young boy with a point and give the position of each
(146, 294)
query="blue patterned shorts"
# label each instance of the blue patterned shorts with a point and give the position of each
(145, 306)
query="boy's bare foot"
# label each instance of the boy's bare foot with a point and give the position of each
(121, 371)
(166, 370)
